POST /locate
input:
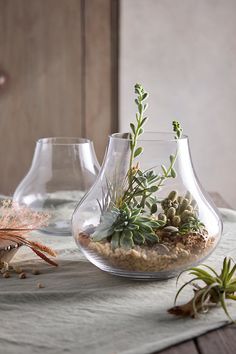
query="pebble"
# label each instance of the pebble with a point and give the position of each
(179, 245)
(6, 275)
(40, 286)
(22, 275)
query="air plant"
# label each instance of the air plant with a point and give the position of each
(216, 289)
(16, 222)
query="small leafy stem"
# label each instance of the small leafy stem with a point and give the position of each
(170, 172)
(137, 130)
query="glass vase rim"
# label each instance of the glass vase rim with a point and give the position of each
(166, 136)
(66, 141)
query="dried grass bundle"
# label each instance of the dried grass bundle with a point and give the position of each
(16, 222)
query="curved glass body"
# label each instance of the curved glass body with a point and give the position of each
(62, 171)
(191, 226)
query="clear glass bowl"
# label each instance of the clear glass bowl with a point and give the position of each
(179, 197)
(62, 171)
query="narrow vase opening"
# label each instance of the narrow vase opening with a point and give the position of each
(64, 141)
(150, 136)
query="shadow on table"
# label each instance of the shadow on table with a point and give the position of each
(72, 278)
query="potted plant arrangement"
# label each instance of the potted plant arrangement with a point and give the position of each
(144, 218)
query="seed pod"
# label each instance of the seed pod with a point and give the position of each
(173, 195)
(171, 212)
(176, 220)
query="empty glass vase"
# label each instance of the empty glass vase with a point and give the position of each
(62, 171)
(150, 218)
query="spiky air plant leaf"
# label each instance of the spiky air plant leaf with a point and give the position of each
(16, 223)
(127, 227)
(216, 289)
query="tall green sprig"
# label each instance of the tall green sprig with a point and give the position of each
(144, 184)
(137, 130)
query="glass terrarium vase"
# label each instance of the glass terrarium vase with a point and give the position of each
(149, 221)
(62, 171)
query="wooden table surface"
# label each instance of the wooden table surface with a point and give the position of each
(219, 341)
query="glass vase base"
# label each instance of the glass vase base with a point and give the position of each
(142, 275)
(135, 275)
(126, 263)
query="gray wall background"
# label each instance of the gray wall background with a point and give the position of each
(184, 52)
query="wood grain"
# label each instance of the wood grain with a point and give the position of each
(220, 341)
(183, 348)
(60, 61)
(40, 51)
(101, 82)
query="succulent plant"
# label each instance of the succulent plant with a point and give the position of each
(181, 213)
(127, 227)
(141, 190)
(192, 225)
(127, 216)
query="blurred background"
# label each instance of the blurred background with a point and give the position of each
(68, 67)
(184, 52)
